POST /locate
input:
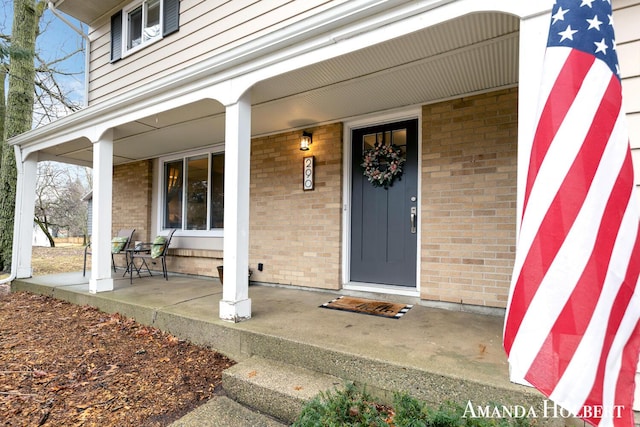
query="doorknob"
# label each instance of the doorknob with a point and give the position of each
(414, 217)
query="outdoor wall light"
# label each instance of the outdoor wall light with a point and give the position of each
(305, 141)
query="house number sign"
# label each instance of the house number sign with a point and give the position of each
(307, 173)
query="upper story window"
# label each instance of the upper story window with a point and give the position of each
(142, 23)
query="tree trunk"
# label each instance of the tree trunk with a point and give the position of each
(45, 229)
(19, 114)
(3, 106)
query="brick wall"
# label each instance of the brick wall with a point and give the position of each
(198, 262)
(468, 211)
(296, 233)
(132, 184)
(469, 198)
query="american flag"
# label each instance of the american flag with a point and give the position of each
(571, 327)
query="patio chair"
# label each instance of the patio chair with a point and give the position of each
(150, 251)
(119, 244)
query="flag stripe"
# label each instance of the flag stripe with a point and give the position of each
(570, 261)
(572, 319)
(587, 290)
(618, 310)
(573, 388)
(572, 323)
(559, 216)
(625, 384)
(555, 110)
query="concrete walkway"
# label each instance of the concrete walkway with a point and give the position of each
(434, 354)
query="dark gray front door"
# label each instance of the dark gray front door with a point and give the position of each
(384, 221)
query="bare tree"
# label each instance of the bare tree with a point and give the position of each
(57, 83)
(59, 204)
(36, 96)
(18, 113)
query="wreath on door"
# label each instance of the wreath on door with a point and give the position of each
(382, 164)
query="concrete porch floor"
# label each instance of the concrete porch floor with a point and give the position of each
(434, 354)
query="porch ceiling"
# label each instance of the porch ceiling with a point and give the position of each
(474, 53)
(86, 11)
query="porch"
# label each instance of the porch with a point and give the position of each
(436, 355)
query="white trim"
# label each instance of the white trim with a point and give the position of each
(100, 279)
(406, 113)
(159, 191)
(406, 291)
(19, 244)
(340, 30)
(126, 51)
(235, 304)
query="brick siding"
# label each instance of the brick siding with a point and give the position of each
(132, 186)
(296, 233)
(468, 213)
(469, 198)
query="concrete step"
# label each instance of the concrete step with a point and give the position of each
(306, 338)
(221, 411)
(382, 378)
(275, 388)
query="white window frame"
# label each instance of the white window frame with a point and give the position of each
(215, 232)
(125, 27)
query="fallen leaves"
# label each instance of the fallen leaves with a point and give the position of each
(62, 364)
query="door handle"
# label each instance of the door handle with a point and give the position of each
(414, 217)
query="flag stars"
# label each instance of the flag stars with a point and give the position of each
(601, 46)
(584, 27)
(594, 23)
(559, 15)
(568, 33)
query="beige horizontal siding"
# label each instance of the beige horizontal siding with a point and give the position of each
(207, 28)
(626, 17)
(626, 22)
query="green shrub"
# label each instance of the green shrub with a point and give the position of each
(348, 407)
(354, 407)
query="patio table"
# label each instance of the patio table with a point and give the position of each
(145, 249)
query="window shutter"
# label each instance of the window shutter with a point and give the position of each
(116, 37)
(171, 17)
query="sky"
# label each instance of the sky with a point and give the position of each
(56, 40)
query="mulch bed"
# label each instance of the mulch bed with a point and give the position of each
(66, 365)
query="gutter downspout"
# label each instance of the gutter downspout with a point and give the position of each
(17, 214)
(53, 10)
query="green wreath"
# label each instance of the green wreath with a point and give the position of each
(382, 164)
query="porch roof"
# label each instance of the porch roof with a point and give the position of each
(86, 11)
(472, 53)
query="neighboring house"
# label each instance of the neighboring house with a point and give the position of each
(196, 111)
(89, 199)
(39, 238)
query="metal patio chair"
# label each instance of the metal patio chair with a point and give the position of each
(118, 245)
(150, 251)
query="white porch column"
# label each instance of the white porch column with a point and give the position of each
(28, 176)
(235, 305)
(533, 41)
(101, 222)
